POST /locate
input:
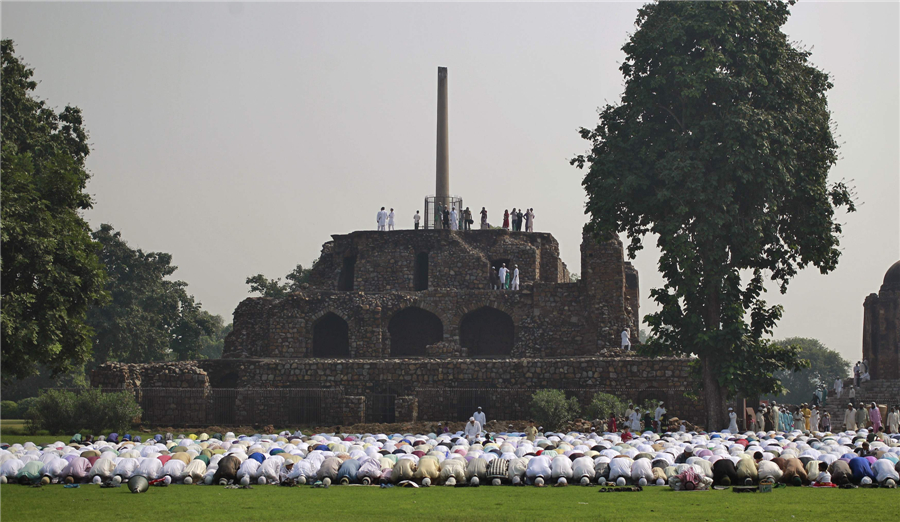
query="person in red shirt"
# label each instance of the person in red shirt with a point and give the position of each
(627, 435)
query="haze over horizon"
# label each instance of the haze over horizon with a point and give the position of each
(239, 137)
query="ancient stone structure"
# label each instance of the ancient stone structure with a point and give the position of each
(881, 327)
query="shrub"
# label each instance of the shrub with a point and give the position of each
(604, 405)
(9, 410)
(24, 405)
(59, 411)
(552, 410)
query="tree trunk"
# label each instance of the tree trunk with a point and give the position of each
(713, 397)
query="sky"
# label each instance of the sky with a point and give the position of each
(238, 137)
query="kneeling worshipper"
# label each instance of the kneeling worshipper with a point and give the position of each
(794, 472)
(724, 473)
(538, 468)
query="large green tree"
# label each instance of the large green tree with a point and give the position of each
(720, 147)
(51, 274)
(825, 365)
(274, 287)
(150, 317)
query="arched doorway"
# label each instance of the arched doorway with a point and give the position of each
(331, 337)
(412, 329)
(487, 332)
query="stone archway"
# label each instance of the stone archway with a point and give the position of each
(487, 332)
(412, 329)
(331, 337)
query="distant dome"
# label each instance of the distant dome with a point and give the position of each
(892, 278)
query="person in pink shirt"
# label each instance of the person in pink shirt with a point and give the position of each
(875, 417)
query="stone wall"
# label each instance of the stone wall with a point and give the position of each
(881, 333)
(182, 374)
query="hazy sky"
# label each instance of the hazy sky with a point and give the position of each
(238, 137)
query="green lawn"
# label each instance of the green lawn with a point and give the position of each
(91, 503)
(12, 431)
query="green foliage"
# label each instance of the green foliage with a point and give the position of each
(66, 412)
(24, 405)
(825, 365)
(721, 148)
(275, 288)
(211, 346)
(17, 389)
(50, 270)
(605, 405)
(552, 410)
(149, 318)
(9, 410)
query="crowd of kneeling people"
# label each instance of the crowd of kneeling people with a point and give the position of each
(684, 460)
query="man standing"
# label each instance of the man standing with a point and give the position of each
(732, 421)
(776, 417)
(856, 374)
(480, 417)
(658, 416)
(454, 219)
(519, 217)
(531, 431)
(814, 419)
(626, 340)
(893, 420)
(850, 418)
(862, 416)
(838, 387)
(380, 219)
(761, 419)
(416, 219)
(529, 220)
(502, 275)
(391, 220)
(512, 218)
(467, 219)
(875, 417)
(806, 414)
(494, 279)
(515, 278)
(484, 223)
(446, 219)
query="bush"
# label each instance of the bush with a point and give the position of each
(24, 405)
(59, 411)
(551, 409)
(9, 410)
(604, 405)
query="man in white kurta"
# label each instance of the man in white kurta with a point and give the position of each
(416, 220)
(893, 420)
(472, 430)
(850, 418)
(381, 219)
(776, 415)
(636, 421)
(454, 219)
(391, 220)
(514, 284)
(732, 421)
(480, 417)
(814, 419)
(626, 340)
(761, 419)
(658, 415)
(838, 387)
(502, 274)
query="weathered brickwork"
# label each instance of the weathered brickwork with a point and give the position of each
(881, 327)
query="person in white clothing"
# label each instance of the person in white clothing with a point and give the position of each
(626, 340)
(514, 284)
(850, 417)
(381, 218)
(732, 421)
(416, 219)
(636, 421)
(838, 387)
(391, 220)
(472, 430)
(454, 219)
(480, 417)
(502, 274)
(658, 416)
(893, 420)
(814, 419)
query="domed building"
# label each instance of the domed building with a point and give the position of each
(881, 327)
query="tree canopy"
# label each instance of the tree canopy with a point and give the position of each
(149, 317)
(51, 273)
(720, 147)
(275, 288)
(825, 365)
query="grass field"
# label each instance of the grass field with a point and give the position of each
(13, 431)
(214, 503)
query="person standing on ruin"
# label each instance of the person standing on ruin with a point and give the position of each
(514, 284)
(506, 219)
(484, 223)
(502, 276)
(391, 220)
(838, 387)
(493, 279)
(454, 219)
(529, 220)
(446, 218)
(507, 282)
(416, 219)
(519, 219)
(380, 219)
(512, 219)
(467, 219)
(626, 340)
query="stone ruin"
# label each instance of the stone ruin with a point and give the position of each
(400, 325)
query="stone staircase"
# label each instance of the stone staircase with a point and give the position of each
(885, 392)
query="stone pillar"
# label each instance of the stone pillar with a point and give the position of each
(442, 186)
(354, 410)
(406, 409)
